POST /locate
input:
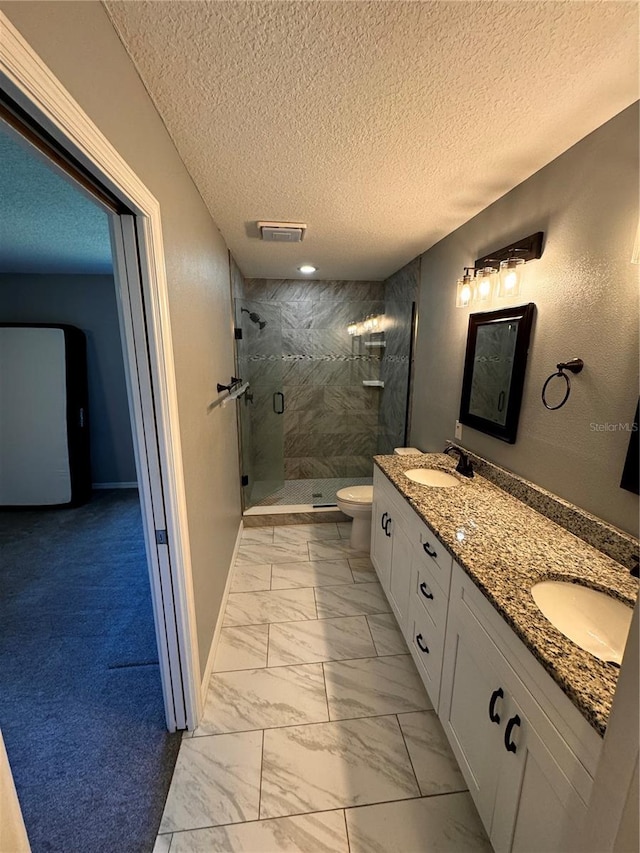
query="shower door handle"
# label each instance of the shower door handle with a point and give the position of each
(278, 409)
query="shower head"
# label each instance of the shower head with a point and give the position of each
(255, 318)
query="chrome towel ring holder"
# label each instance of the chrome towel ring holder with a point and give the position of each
(575, 365)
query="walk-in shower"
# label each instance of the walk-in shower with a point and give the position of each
(328, 365)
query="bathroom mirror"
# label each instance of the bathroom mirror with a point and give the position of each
(494, 370)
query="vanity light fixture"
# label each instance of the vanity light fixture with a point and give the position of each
(464, 289)
(510, 260)
(484, 284)
(307, 269)
(352, 329)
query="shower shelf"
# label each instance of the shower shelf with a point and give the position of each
(375, 343)
(373, 383)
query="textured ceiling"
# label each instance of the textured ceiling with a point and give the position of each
(46, 224)
(385, 125)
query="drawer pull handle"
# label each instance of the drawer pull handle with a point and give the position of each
(497, 694)
(386, 527)
(508, 743)
(382, 520)
(426, 547)
(423, 590)
(422, 648)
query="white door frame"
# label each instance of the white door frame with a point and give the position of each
(137, 239)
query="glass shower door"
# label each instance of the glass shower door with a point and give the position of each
(261, 409)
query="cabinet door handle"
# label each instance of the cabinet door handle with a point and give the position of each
(426, 547)
(384, 515)
(423, 590)
(422, 648)
(508, 743)
(386, 526)
(497, 694)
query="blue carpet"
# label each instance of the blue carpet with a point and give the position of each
(81, 707)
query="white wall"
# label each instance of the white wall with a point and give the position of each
(586, 293)
(88, 302)
(81, 47)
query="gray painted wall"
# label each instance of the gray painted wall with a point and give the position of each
(80, 45)
(88, 302)
(586, 293)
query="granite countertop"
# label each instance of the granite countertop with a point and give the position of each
(505, 547)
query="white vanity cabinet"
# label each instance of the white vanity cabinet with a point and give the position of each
(390, 546)
(527, 754)
(415, 572)
(531, 787)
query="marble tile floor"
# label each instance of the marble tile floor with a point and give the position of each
(317, 734)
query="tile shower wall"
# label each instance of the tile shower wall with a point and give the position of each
(331, 419)
(400, 293)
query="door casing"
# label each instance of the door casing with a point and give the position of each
(141, 289)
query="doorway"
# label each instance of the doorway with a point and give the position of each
(31, 97)
(79, 656)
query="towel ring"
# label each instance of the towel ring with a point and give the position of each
(575, 366)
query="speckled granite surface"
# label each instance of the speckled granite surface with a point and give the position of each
(505, 547)
(617, 544)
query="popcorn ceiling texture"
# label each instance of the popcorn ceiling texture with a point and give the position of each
(383, 125)
(506, 547)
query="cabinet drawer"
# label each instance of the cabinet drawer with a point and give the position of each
(426, 589)
(432, 552)
(426, 643)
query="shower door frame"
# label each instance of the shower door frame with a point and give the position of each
(242, 443)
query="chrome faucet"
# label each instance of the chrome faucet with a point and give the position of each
(464, 465)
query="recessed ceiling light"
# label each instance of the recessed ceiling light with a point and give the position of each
(307, 269)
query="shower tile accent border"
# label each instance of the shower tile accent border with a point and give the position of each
(615, 543)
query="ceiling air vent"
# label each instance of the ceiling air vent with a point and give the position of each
(282, 232)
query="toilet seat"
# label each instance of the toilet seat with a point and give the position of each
(361, 495)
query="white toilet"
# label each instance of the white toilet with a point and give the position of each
(356, 501)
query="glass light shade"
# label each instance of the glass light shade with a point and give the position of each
(510, 277)
(464, 292)
(483, 284)
(352, 328)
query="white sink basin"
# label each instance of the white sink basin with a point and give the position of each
(594, 620)
(432, 477)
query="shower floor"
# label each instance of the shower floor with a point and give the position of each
(316, 492)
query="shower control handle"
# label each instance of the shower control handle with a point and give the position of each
(279, 410)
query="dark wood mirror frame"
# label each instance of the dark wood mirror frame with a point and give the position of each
(524, 314)
(631, 473)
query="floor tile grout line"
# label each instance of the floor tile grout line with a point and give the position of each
(372, 637)
(387, 714)
(356, 584)
(346, 829)
(313, 662)
(317, 619)
(326, 692)
(316, 811)
(404, 740)
(260, 777)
